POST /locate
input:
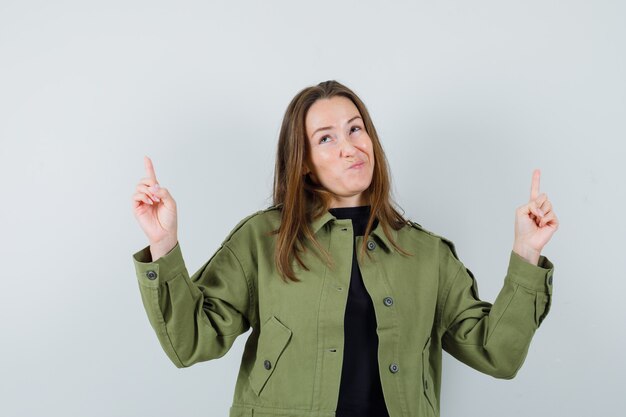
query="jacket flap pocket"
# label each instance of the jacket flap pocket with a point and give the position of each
(273, 339)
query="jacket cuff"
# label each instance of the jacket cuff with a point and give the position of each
(152, 273)
(533, 277)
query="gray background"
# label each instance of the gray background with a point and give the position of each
(468, 98)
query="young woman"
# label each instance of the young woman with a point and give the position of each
(350, 304)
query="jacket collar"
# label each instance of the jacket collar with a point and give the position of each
(320, 222)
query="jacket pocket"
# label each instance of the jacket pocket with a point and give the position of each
(273, 339)
(427, 381)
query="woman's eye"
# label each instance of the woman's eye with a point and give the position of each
(323, 139)
(355, 127)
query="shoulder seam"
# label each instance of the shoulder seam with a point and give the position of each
(251, 290)
(445, 300)
(245, 220)
(444, 239)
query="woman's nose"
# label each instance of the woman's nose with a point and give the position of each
(347, 148)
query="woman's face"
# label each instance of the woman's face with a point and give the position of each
(341, 158)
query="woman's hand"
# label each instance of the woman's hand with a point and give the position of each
(155, 210)
(535, 223)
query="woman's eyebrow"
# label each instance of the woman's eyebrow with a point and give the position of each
(330, 127)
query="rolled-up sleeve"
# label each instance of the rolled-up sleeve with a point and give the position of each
(195, 318)
(494, 338)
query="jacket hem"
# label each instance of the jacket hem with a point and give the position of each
(246, 410)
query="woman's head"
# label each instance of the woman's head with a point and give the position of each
(326, 129)
(339, 155)
(329, 155)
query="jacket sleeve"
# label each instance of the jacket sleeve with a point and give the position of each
(195, 318)
(494, 338)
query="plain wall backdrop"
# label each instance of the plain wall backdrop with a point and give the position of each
(468, 98)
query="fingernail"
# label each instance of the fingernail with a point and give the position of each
(540, 212)
(156, 186)
(155, 198)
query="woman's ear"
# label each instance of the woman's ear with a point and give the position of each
(308, 174)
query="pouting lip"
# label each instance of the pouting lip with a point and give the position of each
(356, 164)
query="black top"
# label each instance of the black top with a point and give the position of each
(360, 392)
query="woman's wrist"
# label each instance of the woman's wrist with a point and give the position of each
(163, 247)
(529, 254)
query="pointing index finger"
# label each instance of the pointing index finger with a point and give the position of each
(534, 188)
(149, 168)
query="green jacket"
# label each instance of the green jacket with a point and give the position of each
(292, 361)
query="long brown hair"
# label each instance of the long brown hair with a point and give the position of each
(302, 200)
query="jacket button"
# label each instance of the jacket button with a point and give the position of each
(394, 368)
(388, 301)
(425, 384)
(151, 275)
(371, 245)
(267, 364)
(550, 280)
